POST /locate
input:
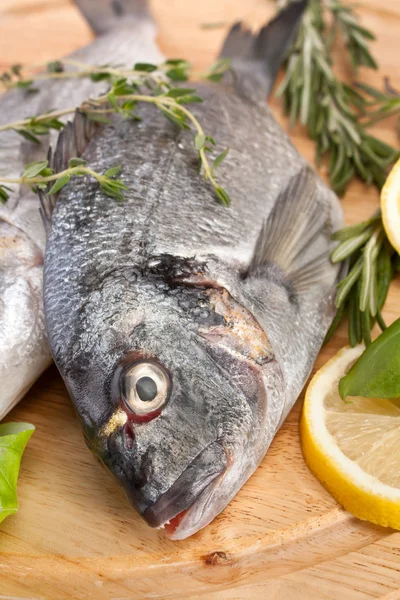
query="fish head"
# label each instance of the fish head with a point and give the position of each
(171, 389)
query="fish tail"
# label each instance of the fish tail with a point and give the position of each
(105, 15)
(257, 57)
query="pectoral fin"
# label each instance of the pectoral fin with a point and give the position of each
(284, 244)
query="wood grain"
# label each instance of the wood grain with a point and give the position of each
(283, 536)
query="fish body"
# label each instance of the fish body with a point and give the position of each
(185, 330)
(24, 350)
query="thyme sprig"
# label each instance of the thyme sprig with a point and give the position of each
(126, 91)
(330, 109)
(143, 73)
(38, 175)
(362, 293)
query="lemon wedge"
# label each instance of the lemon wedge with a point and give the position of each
(390, 206)
(353, 448)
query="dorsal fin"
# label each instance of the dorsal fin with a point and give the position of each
(104, 15)
(72, 142)
(287, 234)
(256, 58)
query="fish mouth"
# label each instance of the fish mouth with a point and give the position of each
(172, 506)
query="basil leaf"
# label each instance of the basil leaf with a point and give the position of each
(376, 374)
(13, 439)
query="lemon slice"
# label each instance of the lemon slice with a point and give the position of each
(390, 206)
(354, 448)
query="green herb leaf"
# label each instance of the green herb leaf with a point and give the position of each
(24, 84)
(113, 189)
(177, 74)
(177, 92)
(346, 285)
(28, 135)
(177, 61)
(376, 374)
(199, 141)
(113, 101)
(145, 67)
(218, 69)
(59, 184)
(4, 189)
(348, 232)
(34, 168)
(223, 196)
(46, 172)
(112, 171)
(55, 66)
(76, 162)
(98, 118)
(176, 119)
(100, 76)
(220, 158)
(13, 440)
(349, 246)
(189, 99)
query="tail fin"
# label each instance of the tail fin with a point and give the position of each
(258, 57)
(104, 15)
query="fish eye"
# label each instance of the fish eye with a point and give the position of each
(145, 387)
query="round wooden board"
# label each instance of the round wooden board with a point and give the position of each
(283, 536)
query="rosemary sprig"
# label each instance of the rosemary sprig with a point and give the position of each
(329, 108)
(362, 293)
(356, 38)
(122, 99)
(380, 105)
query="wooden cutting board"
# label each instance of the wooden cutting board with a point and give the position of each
(283, 536)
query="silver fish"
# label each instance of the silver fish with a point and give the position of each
(24, 350)
(185, 330)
